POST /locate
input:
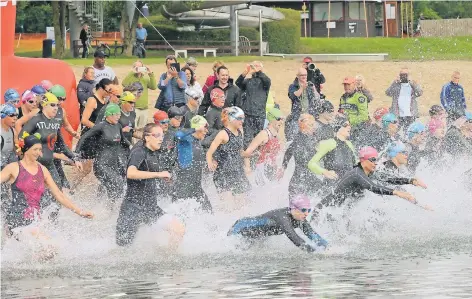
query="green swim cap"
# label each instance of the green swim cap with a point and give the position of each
(274, 114)
(58, 91)
(197, 122)
(112, 109)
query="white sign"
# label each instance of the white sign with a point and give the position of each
(330, 25)
(5, 2)
(304, 15)
(50, 35)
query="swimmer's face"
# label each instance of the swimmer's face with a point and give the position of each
(155, 137)
(36, 151)
(402, 158)
(440, 133)
(345, 130)
(393, 128)
(113, 119)
(298, 214)
(277, 123)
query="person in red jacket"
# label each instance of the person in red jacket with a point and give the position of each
(210, 81)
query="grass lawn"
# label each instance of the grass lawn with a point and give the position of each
(452, 48)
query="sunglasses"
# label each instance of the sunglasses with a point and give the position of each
(404, 153)
(13, 115)
(393, 122)
(165, 121)
(239, 118)
(346, 124)
(373, 160)
(305, 210)
(178, 117)
(129, 102)
(61, 98)
(53, 105)
(31, 101)
(155, 135)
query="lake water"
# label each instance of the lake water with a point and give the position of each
(383, 247)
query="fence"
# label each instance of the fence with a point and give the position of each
(446, 27)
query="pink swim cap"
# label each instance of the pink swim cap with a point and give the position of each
(435, 124)
(300, 201)
(46, 84)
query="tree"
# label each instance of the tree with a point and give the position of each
(59, 11)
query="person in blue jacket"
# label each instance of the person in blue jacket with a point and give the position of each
(453, 98)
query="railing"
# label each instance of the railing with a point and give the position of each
(221, 46)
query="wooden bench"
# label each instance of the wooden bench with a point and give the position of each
(205, 51)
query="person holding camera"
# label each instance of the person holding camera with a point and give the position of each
(404, 93)
(314, 74)
(172, 85)
(254, 85)
(146, 77)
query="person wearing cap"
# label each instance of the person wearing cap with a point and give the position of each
(192, 64)
(175, 119)
(85, 87)
(453, 98)
(168, 145)
(190, 164)
(161, 118)
(302, 149)
(338, 154)
(374, 133)
(305, 99)
(404, 93)
(213, 115)
(190, 109)
(255, 86)
(388, 134)
(110, 162)
(356, 181)
(225, 83)
(314, 75)
(362, 88)
(416, 135)
(458, 139)
(229, 176)
(29, 107)
(60, 92)
(354, 105)
(282, 221)
(114, 97)
(29, 180)
(144, 178)
(148, 81)
(103, 71)
(172, 85)
(435, 149)
(210, 81)
(268, 147)
(11, 96)
(128, 119)
(389, 172)
(324, 129)
(9, 116)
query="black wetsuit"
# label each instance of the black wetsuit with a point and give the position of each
(109, 165)
(456, 143)
(324, 131)
(434, 150)
(190, 164)
(128, 121)
(390, 174)
(229, 174)
(89, 149)
(277, 222)
(59, 149)
(353, 184)
(140, 203)
(215, 125)
(188, 115)
(415, 154)
(303, 181)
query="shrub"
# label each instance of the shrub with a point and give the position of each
(284, 35)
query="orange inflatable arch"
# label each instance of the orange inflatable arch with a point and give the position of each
(22, 73)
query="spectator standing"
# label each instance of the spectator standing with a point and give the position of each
(314, 74)
(404, 93)
(354, 105)
(225, 83)
(192, 64)
(172, 85)
(453, 98)
(362, 88)
(101, 70)
(84, 39)
(85, 87)
(210, 81)
(148, 81)
(141, 36)
(193, 87)
(254, 85)
(305, 99)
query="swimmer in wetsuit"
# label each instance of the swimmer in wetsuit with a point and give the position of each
(268, 146)
(353, 183)
(282, 221)
(144, 178)
(190, 163)
(109, 165)
(416, 139)
(302, 149)
(213, 115)
(324, 129)
(29, 180)
(337, 154)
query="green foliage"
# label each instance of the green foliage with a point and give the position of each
(426, 48)
(430, 14)
(34, 16)
(283, 36)
(112, 15)
(443, 9)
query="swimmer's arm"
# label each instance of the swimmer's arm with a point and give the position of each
(58, 195)
(288, 155)
(323, 148)
(221, 137)
(134, 174)
(184, 135)
(67, 126)
(89, 107)
(9, 173)
(22, 121)
(259, 140)
(95, 130)
(29, 127)
(312, 235)
(290, 232)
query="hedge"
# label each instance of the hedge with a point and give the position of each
(169, 30)
(283, 36)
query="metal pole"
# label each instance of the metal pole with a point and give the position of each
(411, 10)
(329, 16)
(401, 15)
(237, 34)
(385, 17)
(365, 19)
(233, 34)
(407, 25)
(260, 33)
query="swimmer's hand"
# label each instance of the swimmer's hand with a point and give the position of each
(163, 175)
(126, 129)
(280, 174)
(330, 174)
(320, 242)
(85, 214)
(418, 183)
(212, 164)
(79, 165)
(405, 195)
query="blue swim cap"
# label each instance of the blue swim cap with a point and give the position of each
(6, 110)
(415, 128)
(395, 148)
(388, 118)
(38, 89)
(11, 95)
(468, 115)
